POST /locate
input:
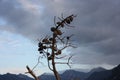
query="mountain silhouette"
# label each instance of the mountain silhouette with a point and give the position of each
(95, 74)
(10, 76)
(113, 74)
(71, 75)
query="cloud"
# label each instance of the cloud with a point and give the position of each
(21, 20)
(31, 6)
(86, 55)
(97, 24)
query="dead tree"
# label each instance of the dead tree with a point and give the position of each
(48, 46)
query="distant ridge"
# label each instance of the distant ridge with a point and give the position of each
(10, 76)
(98, 69)
(95, 74)
(113, 74)
(72, 74)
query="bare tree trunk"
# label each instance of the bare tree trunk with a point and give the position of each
(53, 59)
(55, 71)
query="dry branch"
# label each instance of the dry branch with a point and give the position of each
(32, 73)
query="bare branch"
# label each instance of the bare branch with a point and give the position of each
(61, 39)
(32, 73)
(37, 63)
(68, 63)
(49, 64)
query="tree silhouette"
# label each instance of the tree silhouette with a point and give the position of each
(48, 46)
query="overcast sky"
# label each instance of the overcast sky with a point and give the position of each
(96, 32)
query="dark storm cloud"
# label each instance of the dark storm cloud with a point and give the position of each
(21, 20)
(97, 23)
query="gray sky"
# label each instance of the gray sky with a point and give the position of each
(96, 32)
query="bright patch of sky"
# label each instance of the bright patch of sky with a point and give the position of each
(2, 22)
(16, 51)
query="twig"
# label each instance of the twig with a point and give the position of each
(37, 63)
(61, 39)
(68, 63)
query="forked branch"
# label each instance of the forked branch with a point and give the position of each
(68, 62)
